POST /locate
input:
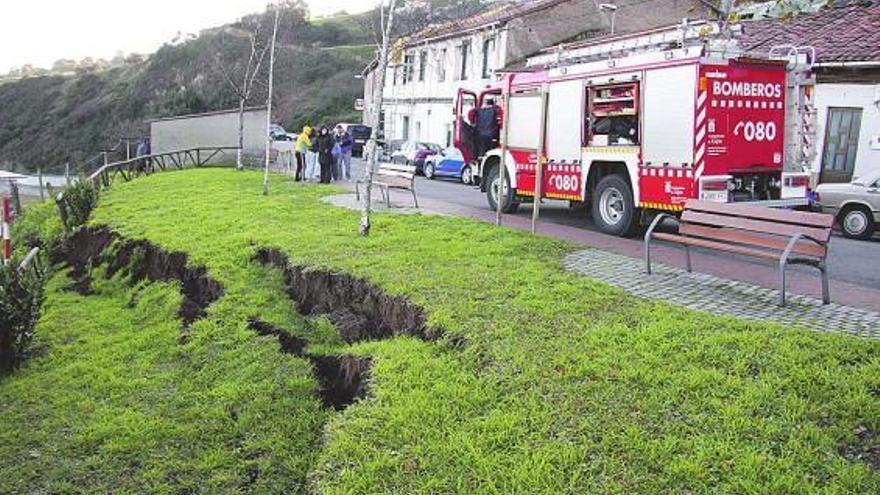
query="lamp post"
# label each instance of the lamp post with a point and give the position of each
(269, 101)
(609, 7)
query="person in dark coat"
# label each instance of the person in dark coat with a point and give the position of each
(325, 154)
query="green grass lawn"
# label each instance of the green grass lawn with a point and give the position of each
(566, 385)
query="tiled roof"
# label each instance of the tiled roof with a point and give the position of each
(499, 14)
(846, 31)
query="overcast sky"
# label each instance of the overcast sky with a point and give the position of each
(40, 32)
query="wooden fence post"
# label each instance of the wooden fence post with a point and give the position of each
(40, 178)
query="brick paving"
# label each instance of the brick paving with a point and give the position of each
(719, 295)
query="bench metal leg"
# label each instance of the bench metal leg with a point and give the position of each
(357, 191)
(687, 256)
(648, 234)
(783, 260)
(415, 199)
(826, 290)
(781, 283)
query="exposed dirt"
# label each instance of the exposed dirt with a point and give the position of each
(141, 260)
(341, 379)
(359, 309)
(866, 448)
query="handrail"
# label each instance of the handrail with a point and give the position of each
(178, 158)
(27, 259)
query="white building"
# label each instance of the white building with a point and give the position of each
(846, 36)
(429, 67)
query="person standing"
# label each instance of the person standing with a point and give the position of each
(312, 157)
(488, 123)
(325, 154)
(343, 138)
(303, 143)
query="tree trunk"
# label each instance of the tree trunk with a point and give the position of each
(378, 86)
(238, 162)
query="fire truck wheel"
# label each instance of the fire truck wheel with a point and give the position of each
(613, 209)
(856, 222)
(493, 182)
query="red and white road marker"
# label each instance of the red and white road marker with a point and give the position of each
(7, 219)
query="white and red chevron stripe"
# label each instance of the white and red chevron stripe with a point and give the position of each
(7, 248)
(700, 134)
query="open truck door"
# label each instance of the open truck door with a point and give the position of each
(464, 135)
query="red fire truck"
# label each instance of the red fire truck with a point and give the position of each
(643, 132)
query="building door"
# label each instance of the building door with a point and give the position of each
(841, 144)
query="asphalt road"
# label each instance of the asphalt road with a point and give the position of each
(852, 261)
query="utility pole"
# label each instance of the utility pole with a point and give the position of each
(269, 100)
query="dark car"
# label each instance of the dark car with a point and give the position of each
(277, 133)
(414, 153)
(360, 134)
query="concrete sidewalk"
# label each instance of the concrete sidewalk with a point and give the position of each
(860, 314)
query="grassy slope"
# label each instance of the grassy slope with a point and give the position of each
(568, 386)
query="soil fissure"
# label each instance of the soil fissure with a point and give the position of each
(141, 260)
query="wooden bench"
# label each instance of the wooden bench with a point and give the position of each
(789, 237)
(392, 176)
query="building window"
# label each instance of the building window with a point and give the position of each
(488, 54)
(408, 68)
(405, 126)
(423, 62)
(394, 76)
(841, 144)
(441, 65)
(448, 135)
(464, 50)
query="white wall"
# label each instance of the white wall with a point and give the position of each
(866, 97)
(430, 102)
(209, 130)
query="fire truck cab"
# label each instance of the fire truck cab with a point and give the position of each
(643, 132)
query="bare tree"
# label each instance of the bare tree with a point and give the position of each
(386, 26)
(242, 80)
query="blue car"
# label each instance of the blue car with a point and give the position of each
(448, 163)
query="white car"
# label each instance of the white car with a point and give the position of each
(856, 204)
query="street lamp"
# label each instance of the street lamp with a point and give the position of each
(609, 7)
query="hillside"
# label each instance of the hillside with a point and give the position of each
(45, 121)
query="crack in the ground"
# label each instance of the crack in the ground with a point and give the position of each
(141, 260)
(358, 308)
(342, 379)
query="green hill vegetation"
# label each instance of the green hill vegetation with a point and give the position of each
(522, 378)
(45, 121)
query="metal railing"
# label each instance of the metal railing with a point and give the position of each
(148, 164)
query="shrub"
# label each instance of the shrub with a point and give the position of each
(21, 294)
(79, 200)
(38, 226)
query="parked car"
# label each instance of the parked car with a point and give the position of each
(414, 153)
(360, 134)
(856, 205)
(448, 162)
(277, 133)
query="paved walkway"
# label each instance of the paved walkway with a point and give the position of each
(618, 262)
(720, 296)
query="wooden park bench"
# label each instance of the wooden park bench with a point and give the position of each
(789, 237)
(392, 176)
